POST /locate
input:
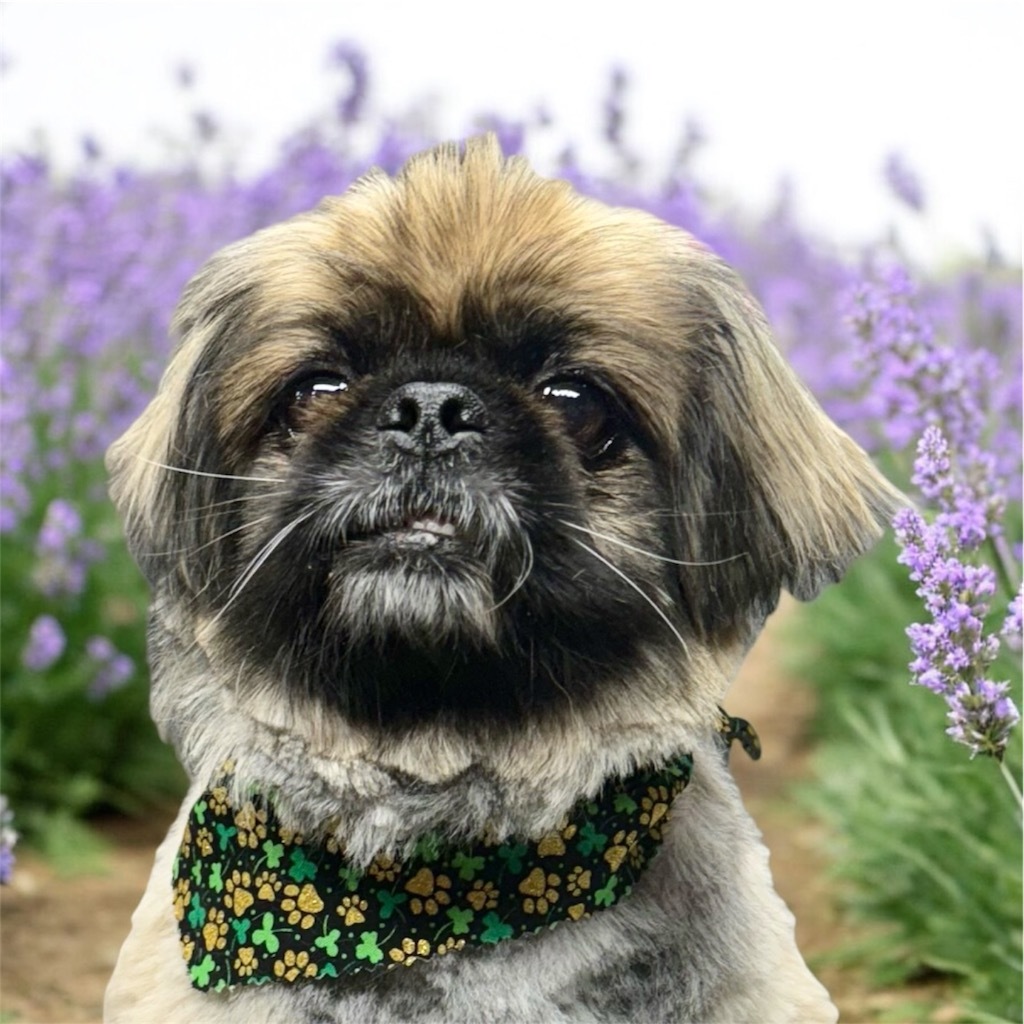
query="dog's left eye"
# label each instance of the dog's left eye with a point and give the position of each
(300, 396)
(590, 417)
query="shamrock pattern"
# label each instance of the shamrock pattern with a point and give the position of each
(256, 902)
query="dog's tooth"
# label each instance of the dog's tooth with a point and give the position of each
(433, 526)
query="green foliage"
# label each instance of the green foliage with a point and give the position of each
(928, 840)
(68, 749)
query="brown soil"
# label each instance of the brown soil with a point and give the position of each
(60, 935)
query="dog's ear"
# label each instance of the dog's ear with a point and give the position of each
(770, 493)
(135, 465)
(156, 467)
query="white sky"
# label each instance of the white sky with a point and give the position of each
(819, 92)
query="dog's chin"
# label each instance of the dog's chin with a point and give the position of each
(416, 585)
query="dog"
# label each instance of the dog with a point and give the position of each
(461, 500)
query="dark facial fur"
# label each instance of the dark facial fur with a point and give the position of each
(462, 445)
(412, 551)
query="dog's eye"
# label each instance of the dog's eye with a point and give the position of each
(303, 396)
(590, 416)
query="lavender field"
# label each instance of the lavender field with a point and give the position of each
(920, 750)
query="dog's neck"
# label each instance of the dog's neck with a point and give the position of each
(383, 789)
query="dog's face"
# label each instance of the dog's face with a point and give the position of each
(465, 446)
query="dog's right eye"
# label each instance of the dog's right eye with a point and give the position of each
(303, 398)
(590, 417)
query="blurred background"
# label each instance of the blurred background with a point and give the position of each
(860, 165)
(816, 94)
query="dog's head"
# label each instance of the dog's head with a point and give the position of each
(463, 445)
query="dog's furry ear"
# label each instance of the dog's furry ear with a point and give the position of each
(155, 467)
(771, 494)
(135, 464)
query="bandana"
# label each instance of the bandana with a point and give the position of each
(257, 902)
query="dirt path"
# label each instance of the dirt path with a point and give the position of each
(59, 937)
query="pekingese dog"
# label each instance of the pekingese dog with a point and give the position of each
(461, 500)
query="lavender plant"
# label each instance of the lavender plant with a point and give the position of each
(939, 379)
(953, 652)
(925, 387)
(8, 839)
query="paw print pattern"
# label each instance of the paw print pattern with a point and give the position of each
(258, 902)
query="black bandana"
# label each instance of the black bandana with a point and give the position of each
(256, 902)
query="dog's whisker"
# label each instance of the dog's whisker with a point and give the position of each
(524, 573)
(251, 525)
(259, 559)
(210, 517)
(204, 511)
(177, 552)
(213, 476)
(265, 552)
(666, 513)
(650, 554)
(674, 513)
(636, 586)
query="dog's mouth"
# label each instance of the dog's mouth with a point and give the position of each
(422, 533)
(413, 532)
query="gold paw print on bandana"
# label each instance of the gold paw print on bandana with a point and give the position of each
(540, 890)
(578, 881)
(215, 931)
(301, 904)
(293, 965)
(409, 951)
(483, 895)
(430, 892)
(238, 896)
(352, 910)
(246, 962)
(553, 844)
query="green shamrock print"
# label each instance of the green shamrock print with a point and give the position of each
(368, 948)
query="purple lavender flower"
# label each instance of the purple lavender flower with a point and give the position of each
(351, 59)
(615, 107)
(61, 552)
(113, 668)
(91, 149)
(921, 386)
(953, 653)
(15, 450)
(1012, 626)
(46, 643)
(8, 839)
(913, 379)
(970, 501)
(982, 716)
(693, 139)
(905, 184)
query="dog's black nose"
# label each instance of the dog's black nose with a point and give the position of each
(428, 417)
